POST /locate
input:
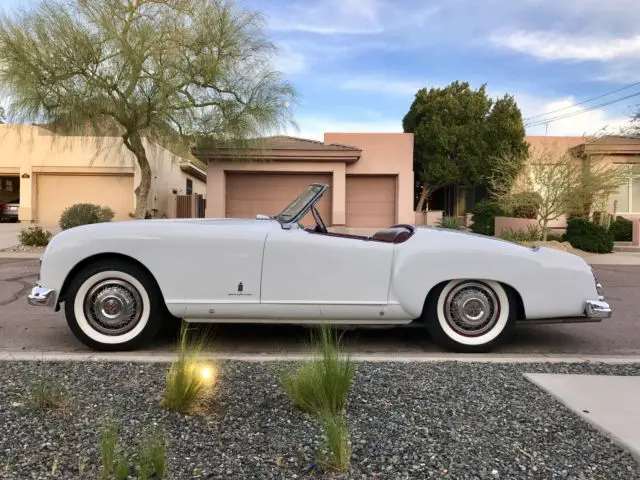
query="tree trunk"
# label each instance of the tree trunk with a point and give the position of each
(545, 229)
(423, 198)
(134, 143)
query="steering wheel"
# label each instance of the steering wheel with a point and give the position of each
(320, 226)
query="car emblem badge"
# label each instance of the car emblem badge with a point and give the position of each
(240, 287)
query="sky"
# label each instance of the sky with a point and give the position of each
(357, 64)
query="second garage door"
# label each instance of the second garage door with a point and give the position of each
(54, 193)
(371, 201)
(248, 194)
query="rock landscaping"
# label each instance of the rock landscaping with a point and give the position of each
(405, 420)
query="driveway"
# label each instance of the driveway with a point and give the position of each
(9, 234)
(35, 329)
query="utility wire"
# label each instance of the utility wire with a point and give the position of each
(584, 110)
(582, 102)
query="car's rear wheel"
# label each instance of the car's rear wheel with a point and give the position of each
(113, 305)
(470, 316)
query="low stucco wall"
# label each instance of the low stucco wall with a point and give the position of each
(511, 223)
(432, 217)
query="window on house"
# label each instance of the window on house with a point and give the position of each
(628, 195)
(189, 186)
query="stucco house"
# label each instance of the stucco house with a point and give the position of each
(370, 177)
(49, 172)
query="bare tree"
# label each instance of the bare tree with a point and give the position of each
(565, 184)
(170, 71)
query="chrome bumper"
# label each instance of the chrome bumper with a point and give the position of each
(41, 296)
(597, 309)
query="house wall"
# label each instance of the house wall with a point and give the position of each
(382, 154)
(27, 150)
(167, 175)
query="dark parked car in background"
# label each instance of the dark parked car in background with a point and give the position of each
(9, 211)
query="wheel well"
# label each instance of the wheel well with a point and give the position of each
(517, 298)
(99, 257)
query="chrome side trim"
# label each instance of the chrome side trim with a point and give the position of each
(597, 309)
(41, 296)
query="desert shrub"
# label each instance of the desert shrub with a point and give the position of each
(322, 385)
(484, 214)
(621, 229)
(526, 204)
(555, 237)
(588, 236)
(453, 223)
(84, 214)
(35, 237)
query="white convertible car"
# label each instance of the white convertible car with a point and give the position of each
(119, 281)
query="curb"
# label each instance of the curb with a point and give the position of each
(23, 255)
(151, 357)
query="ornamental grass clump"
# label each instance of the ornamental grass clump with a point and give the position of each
(47, 395)
(322, 384)
(336, 433)
(321, 387)
(189, 379)
(152, 456)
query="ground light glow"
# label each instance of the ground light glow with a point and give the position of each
(207, 374)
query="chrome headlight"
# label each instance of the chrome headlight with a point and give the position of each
(599, 288)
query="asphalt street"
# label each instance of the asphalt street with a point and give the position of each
(26, 328)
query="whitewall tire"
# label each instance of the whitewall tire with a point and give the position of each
(470, 316)
(113, 305)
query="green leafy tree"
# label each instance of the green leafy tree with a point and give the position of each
(460, 134)
(169, 71)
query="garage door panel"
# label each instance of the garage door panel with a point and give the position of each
(248, 194)
(371, 201)
(55, 193)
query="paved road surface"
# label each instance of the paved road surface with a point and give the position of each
(34, 329)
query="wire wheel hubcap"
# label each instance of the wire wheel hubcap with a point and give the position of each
(471, 309)
(113, 307)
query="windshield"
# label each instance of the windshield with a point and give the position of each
(299, 204)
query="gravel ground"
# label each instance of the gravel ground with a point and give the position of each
(427, 420)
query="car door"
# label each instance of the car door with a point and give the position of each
(326, 276)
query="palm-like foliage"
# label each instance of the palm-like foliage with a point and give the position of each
(170, 71)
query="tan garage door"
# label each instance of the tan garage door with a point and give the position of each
(248, 194)
(371, 201)
(54, 193)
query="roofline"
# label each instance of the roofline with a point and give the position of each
(192, 169)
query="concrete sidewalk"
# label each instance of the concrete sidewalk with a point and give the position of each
(609, 403)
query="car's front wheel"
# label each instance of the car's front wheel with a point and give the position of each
(113, 305)
(470, 316)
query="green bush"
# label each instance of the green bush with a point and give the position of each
(531, 234)
(34, 237)
(84, 214)
(588, 236)
(484, 214)
(526, 204)
(452, 223)
(621, 229)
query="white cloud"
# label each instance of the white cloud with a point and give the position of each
(381, 84)
(314, 128)
(291, 61)
(351, 17)
(558, 46)
(586, 123)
